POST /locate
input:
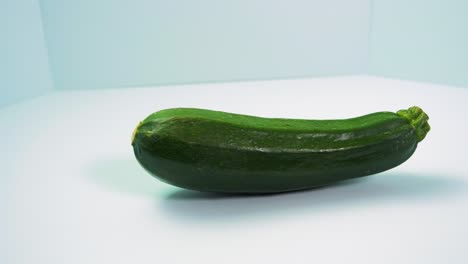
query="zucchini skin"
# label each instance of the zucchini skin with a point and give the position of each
(215, 151)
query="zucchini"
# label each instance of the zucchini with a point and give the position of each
(223, 152)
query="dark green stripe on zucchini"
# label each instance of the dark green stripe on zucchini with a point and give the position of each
(223, 152)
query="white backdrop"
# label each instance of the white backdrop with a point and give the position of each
(24, 66)
(74, 192)
(117, 43)
(424, 40)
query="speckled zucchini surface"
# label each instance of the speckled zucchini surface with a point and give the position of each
(216, 151)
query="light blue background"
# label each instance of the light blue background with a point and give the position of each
(423, 40)
(24, 67)
(108, 44)
(113, 43)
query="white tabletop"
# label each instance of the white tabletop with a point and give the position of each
(74, 193)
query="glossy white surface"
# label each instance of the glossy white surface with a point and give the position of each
(74, 193)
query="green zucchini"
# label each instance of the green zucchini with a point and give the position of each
(223, 152)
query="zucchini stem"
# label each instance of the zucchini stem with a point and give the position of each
(417, 119)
